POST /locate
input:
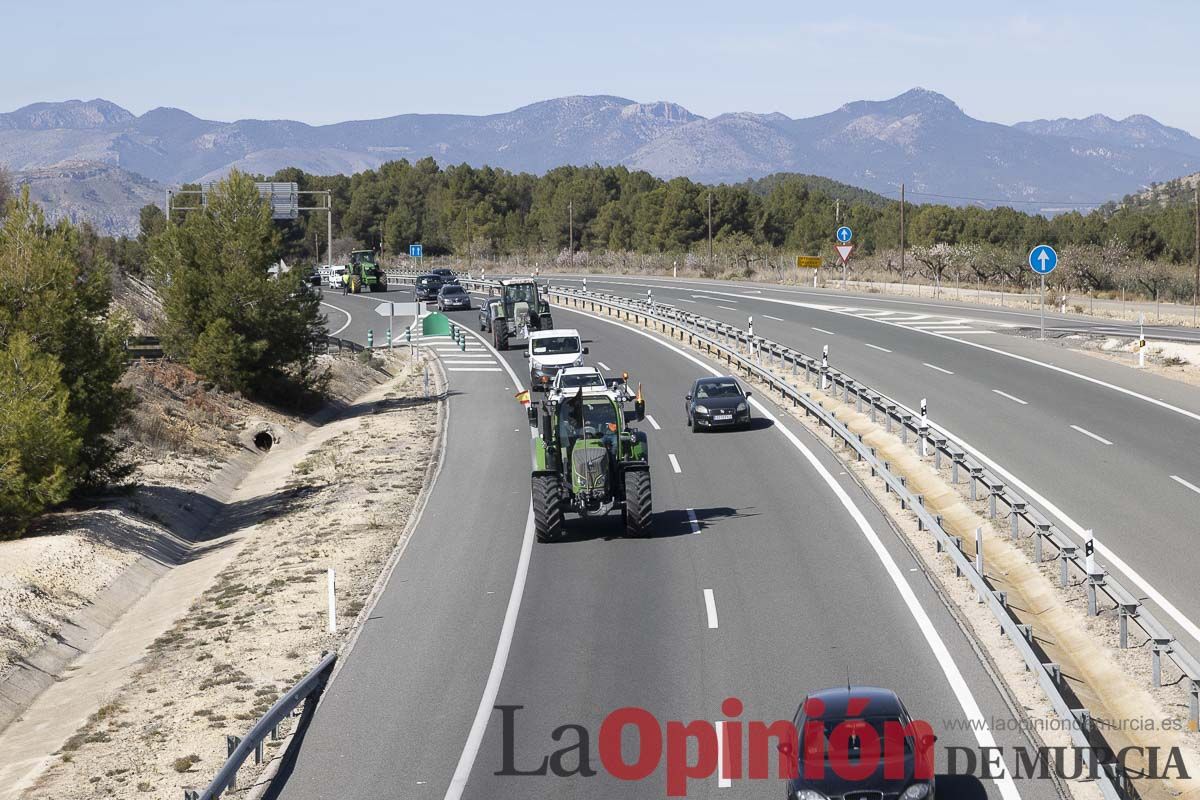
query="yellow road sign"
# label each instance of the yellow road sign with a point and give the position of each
(808, 262)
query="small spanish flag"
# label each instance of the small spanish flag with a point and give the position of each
(523, 397)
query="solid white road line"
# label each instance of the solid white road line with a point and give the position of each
(674, 463)
(653, 423)
(877, 347)
(777, 319)
(1086, 432)
(710, 608)
(822, 330)
(1014, 398)
(958, 684)
(344, 311)
(935, 366)
(693, 521)
(1189, 485)
(466, 761)
(602, 365)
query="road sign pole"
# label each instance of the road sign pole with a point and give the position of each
(391, 316)
(1043, 328)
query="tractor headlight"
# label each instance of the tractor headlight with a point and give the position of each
(742, 407)
(918, 791)
(701, 409)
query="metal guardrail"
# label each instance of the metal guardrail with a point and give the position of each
(341, 344)
(144, 347)
(307, 691)
(754, 356)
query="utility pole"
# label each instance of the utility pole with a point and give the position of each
(902, 231)
(470, 241)
(837, 210)
(1196, 258)
(571, 229)
(710, 261)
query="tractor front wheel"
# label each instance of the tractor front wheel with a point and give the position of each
(547, 507)
(638, 507)
(500, 336)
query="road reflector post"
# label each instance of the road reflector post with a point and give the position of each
(370, 338)
(332, 623)
(979, 555)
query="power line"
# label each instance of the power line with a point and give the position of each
(1009, 201)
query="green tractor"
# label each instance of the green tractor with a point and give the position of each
(523, 307)
(589, 461)
(364, 272)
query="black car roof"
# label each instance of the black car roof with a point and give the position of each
(457, 286)
(720, 380)
(880, 702)
(429, 275)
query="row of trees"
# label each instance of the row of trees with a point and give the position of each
(62, 339)
(485, 212)
(61, 356)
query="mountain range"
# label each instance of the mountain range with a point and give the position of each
(95, 160)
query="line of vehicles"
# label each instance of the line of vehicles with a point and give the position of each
(591, 459)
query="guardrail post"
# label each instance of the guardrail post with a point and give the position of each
(1017, 509)
(994, 489)
(959, 459)
(1194, 705)
(976, 476)
(887, 413)
(939, 444)
(872, 400)
(231, 744)
(1127, 610)
(258, 752)
(857, 399)
(1064, 556)
(1161, 645)
(904, 423)
(1055, 671)
(1094, 580)
(1043, 530)
(191, 794)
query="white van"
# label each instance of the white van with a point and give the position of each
(552, 350)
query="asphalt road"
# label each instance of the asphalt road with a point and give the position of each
(779, 582)
(1111, 449)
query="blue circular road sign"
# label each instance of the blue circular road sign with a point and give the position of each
(1043, 259)
(844, 234)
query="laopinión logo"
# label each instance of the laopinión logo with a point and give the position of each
(853, 749)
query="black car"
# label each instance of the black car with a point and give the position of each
(717, 403)
(487, 313)
(452, 297)
(904, 772)
(428, 286)
(442, 272)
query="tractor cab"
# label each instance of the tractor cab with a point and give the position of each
(365, 272)
(523, 307)
(589, 460)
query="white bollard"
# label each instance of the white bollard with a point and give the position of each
(332, 603)
(925, 425)
(750, 325)
(824, 367)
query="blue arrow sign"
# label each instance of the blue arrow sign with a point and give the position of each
(415, 250)
(1043, 259)
(844, 234)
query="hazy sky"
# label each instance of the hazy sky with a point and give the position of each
(353, 59)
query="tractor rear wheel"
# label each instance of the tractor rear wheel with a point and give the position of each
(547, 507)
(638, 507)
